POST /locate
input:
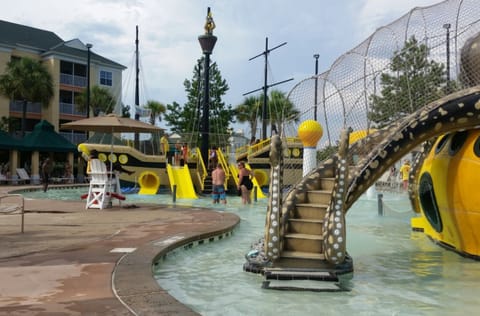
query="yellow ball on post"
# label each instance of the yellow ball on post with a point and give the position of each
(310, 132)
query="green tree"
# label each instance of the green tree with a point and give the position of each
(27, 80)
(186, 120)
(412, 82)
(101, 100)
(326, 152)
(281, 109)
(126, 110)
(249, 112)
(157, 109)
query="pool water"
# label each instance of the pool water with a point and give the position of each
(397, 271)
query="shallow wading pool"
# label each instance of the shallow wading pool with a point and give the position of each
(397, 271)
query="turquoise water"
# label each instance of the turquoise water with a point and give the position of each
(397, 271)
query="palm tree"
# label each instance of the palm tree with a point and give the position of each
(248, 111)
(281, 109)
(156, 110)
(28, 80)
(101, 100)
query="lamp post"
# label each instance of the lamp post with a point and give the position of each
(207, 43)
(316, 56)
(447, 26)
(89, 46)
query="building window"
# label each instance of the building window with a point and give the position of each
(105, 78)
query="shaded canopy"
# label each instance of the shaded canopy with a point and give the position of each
(105, 138)
(7, 142)
(111, 124)
(44, 138)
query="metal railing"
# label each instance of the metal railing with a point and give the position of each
(71, 109)
(71, 80)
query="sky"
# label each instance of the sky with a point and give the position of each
(169, 30)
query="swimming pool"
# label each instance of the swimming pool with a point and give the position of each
(397, 271)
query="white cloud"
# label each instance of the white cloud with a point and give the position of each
(168, 31)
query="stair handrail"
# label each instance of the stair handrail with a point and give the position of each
(201, 169)
(273, 225)
(223, 162)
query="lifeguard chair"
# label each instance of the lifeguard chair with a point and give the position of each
(103, 186)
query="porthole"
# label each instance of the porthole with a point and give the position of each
(441, 143)
(428, 201)
(457, 142)
(476, 147)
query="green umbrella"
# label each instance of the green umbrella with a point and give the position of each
(44, 138)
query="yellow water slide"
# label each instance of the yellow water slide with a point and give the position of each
(149, 182)
(180, 176)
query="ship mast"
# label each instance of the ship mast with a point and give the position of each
(137, 98)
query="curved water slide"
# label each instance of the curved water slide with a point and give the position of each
(308, 231)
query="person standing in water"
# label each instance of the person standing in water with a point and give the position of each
(218, 182)
(404, 173)
(47, 167)
(245, 184)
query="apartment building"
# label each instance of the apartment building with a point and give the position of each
(67, 61)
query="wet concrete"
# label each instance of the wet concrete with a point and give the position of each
(72, 261)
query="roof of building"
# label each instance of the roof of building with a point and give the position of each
(45, 42)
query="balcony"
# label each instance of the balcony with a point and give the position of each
(71, 80)
(17, 106)
(71, 109)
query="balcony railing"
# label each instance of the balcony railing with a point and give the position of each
(71, 109)
(17, 106)
(71, 80)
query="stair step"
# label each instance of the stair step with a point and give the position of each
(303, 255)
(303, 285)
(305, 226)
(306, 220)
(303, 243)
(310, 211)
(304, 236)
(315, 205)
(319, 196)
(300, 274)
(327, 183)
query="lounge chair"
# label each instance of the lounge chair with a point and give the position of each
(23, 175)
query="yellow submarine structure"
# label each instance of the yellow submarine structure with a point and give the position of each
(445, 193)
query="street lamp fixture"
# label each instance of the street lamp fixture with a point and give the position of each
(207, 43)
(316, 56)
(89, 46)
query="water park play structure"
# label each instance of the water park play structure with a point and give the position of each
(154, 172)
(305, 233)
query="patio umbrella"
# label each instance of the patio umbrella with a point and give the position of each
(111, 123)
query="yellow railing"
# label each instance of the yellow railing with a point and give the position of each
(201, 169)
(251, 149)
(224, 163)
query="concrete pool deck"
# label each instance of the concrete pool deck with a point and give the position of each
(72, 261)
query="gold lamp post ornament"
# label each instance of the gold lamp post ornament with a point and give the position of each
(209, 24)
